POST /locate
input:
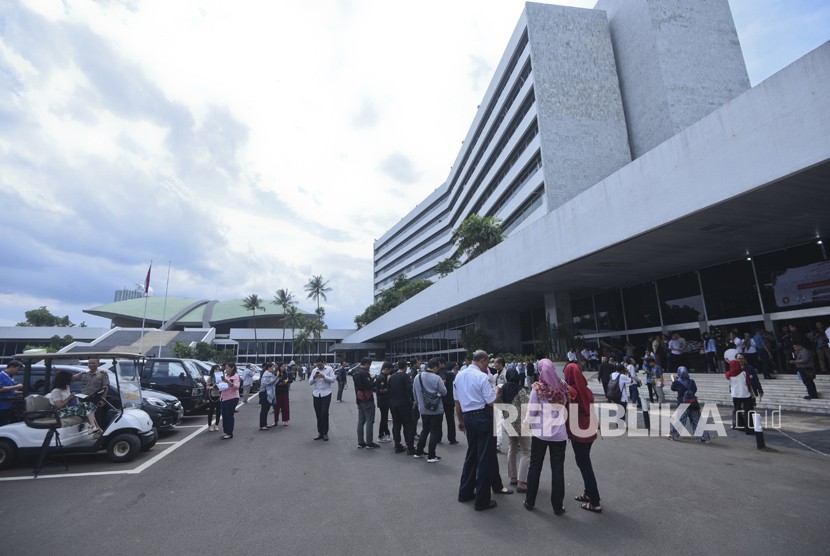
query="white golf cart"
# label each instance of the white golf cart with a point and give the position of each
(41, 432)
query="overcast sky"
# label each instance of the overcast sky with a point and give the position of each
(251, 143)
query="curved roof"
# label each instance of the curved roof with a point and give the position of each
(187, 311)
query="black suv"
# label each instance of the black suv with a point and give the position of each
(178, 377)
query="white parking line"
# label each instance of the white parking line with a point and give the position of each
(136, 471)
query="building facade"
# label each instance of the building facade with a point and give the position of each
(644, 188)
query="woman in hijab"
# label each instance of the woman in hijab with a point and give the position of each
(548, 401)
(267, 396)
(583, 432)
(687, 394)
(513, 393)
(740, 387)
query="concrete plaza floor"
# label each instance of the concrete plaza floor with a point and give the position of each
(280, 492)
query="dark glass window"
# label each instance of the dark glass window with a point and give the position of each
(583, 316)
(794, 278)
(680, 299)
(609, 311)
(729, 290)
(641, 306)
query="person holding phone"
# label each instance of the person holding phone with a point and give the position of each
(230, 397)
(321, 379)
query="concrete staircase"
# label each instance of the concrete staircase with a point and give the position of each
(785, 392)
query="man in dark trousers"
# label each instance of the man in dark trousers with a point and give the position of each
(474, 398)
(447, 374)
(382, 391)
(364, 396)
(400, 404)
(341, 380)
(604, 373)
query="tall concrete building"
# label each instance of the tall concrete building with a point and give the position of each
(643, 186)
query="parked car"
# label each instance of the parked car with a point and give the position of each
(164, 410)
(181, 378)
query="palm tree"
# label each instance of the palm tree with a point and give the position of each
(284, 299)
(301, 342)
(293, 319)
(317, 288)
(315, 327)
(252, 303)
(476, 235)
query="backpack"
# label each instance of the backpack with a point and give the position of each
(614, 392)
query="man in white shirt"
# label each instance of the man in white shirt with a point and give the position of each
(675, 351)
(322, 377)
(474, 397)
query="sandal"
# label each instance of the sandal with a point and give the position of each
(591, 508)
(582, 498)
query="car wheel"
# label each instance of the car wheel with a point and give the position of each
(8, 454)
(123, 447)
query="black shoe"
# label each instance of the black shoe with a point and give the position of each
(470, 499)
(399, 449)
(489, 506)
(528, 507)
(808, 397)
(410, 451)
(318, 437)
(372, 445)
(325, 438)
(559, 511)
(454, 442)
(361, 446)
(418, 455)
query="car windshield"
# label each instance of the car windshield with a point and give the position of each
(193, 369)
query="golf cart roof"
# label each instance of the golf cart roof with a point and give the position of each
(75, 355)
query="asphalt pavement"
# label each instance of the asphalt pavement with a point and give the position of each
(280, 492)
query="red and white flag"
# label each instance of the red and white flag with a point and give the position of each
(147, 280)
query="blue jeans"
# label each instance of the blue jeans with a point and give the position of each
(476, 477)
(228, 407)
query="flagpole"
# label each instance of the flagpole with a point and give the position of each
(164, 310)
(144, 318)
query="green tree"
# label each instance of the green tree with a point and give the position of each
(446, 266)
(182, 350)
(43, 317)
(284, 299)
(252, 303)
(204, 352)
(314, 330)
(474, 340)
(402, 289)
(227, 355)
(317, 288)
(301, 342)
(293, 319)
(476, 235)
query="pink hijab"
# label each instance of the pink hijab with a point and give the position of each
(550, 387)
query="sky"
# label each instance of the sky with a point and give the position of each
(249, 145)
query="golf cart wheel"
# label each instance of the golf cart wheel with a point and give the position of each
(8, 454)
(123, 447)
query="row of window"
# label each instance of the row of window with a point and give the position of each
(720, 292)
(471, 146)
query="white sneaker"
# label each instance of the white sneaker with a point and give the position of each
(384, 439)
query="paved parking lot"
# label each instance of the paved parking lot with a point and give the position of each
(281, 492)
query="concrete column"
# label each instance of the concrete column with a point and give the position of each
(560, 315)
